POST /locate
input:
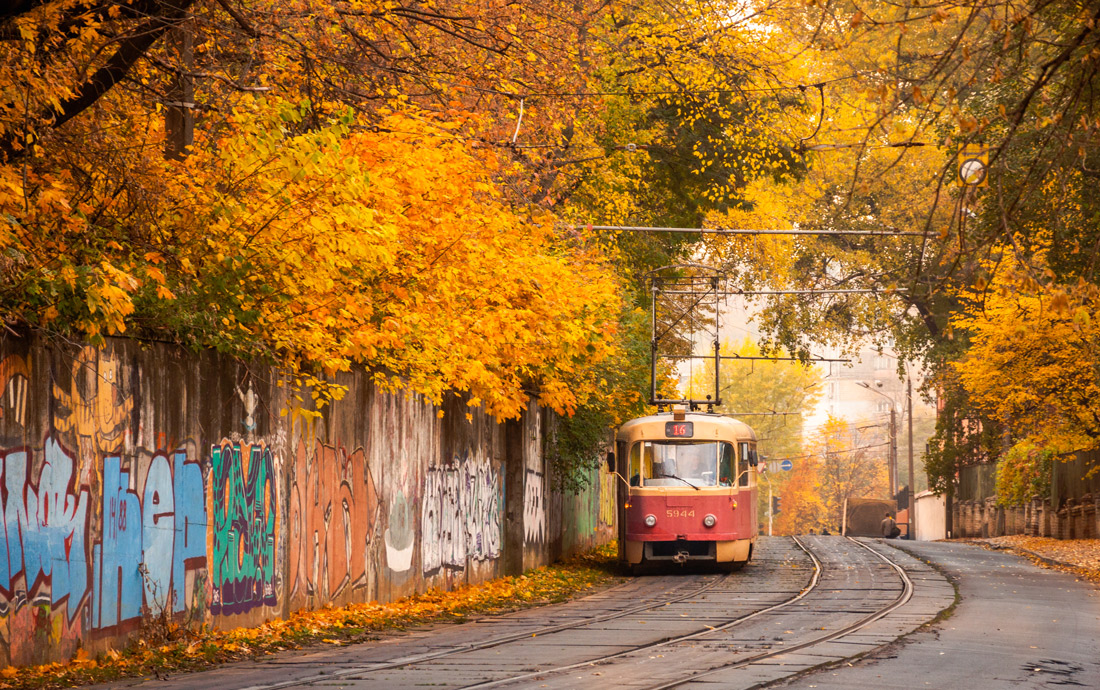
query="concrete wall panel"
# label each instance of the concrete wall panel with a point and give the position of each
(140, 482)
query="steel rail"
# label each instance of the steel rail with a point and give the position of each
(710, 630)
(489, 643)
(901, 600)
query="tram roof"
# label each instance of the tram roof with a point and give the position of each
(712, 422)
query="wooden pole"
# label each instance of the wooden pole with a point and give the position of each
(179, 117)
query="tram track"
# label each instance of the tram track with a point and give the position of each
(709, 630)
(363, 671)
(905, 595)
(494, 641)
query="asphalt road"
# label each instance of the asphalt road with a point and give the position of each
(1016, 626)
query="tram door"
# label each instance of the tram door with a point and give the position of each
(622, 495)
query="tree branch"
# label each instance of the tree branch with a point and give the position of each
(129, 52)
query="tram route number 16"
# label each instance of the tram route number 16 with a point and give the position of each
(679, 429)
(680, 513)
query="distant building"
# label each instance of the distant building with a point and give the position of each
(862, 392)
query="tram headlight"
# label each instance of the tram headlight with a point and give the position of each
(650, 520)
(710, 520)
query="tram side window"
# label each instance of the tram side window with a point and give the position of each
(727, 465)
(635, 471)
(748, 459)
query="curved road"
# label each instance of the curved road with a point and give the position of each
(1016, 626)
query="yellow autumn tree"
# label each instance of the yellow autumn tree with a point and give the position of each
(311, 223)
(804, 507)
(850, 464)
(1031, 362)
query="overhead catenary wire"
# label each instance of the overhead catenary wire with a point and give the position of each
(759, 414)
(828, 452)
(747, 231)
(779, 88)
(761, 358)
(606, 148)
(820, 434)
(822, 291)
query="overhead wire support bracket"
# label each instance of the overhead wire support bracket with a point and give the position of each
(703, 283)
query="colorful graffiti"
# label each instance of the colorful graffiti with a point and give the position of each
(94, 412)
(150, 541)
(14, 377)
(333, 508)
(243, 496)
(578, 508)
(460, 515)
(534, 508)
(97, 403)
(100, 535)
(45, 528)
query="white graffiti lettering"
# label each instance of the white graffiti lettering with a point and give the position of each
(460, 515)
(534, 508)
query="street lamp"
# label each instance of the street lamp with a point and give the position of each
(893, 468)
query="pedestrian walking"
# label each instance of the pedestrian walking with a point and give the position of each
(890, 528)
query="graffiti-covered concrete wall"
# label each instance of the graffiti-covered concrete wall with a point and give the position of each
(138, 480)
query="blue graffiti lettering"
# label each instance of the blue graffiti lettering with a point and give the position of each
(148, 545)
(45, 523)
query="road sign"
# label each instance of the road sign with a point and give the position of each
(973, 164)
(786, 465)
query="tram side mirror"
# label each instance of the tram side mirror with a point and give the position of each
(610, 461)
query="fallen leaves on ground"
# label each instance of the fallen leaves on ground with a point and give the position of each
(175, 649)
(1079, 556)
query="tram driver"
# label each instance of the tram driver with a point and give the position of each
(676, 464)
(698, 463)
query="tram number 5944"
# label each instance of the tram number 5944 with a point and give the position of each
(680, 513)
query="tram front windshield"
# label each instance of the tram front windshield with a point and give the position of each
(682, 463)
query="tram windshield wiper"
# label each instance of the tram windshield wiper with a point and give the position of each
(672, 476)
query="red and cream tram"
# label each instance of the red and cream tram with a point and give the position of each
(688, 489)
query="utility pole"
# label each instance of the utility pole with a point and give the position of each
(893, 451)
(179, 118)
(892, 469)
(769, 508)
(912, 477)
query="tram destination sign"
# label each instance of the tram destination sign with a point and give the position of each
(679, 429)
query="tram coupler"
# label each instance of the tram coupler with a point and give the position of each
(681, 557)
